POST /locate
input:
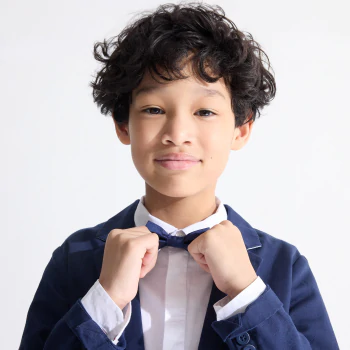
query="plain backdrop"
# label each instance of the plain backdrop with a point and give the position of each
(63, 167)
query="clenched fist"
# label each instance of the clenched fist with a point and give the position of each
(129, 254)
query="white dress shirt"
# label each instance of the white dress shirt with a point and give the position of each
(173, 296)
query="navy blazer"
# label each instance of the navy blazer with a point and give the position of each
(289, 314)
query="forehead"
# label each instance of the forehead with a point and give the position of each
(197, 86)
(145, 89)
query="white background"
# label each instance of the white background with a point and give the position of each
(63, 167)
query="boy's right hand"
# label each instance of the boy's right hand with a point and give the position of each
(129, 255)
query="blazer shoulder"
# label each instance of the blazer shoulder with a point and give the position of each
(279, 246)
(84, 234)
(88, 238)
(81, 240)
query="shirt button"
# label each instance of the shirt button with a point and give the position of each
(249, 347)
(243, 339)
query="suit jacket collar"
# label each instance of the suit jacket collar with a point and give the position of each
(133, 335)
(125, 219)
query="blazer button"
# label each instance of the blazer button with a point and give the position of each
(243, 339)
(249, 347)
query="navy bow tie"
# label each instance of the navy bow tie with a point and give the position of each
(165, 239)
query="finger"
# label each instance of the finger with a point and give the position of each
(199, 257)
(195, 247)
(148, 257)
(148, 264)
(149, 241)
(145, 269)
(136, 231)
(204, 267)
(143, 229)
(200, 261)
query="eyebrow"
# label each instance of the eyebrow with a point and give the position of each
(151, 88)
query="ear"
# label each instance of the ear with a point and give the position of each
(241, 135)
(122, 131)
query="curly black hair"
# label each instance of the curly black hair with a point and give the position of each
(161, 39)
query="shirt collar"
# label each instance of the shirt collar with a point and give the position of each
(126, 219)
(142, 215)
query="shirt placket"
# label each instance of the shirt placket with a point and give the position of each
(176, 298)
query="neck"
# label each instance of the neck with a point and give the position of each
(180, 212)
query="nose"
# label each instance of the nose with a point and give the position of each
(178, 129)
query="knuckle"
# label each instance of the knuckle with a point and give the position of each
(120, 238)
(129, 244)
(155, 237)
(144, 228)
(115, 233)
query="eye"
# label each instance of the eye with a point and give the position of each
(206, 110)
(155, 108)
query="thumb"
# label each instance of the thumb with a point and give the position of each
(151, 243)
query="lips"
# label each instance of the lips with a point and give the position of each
(177, 157)
(177, 164)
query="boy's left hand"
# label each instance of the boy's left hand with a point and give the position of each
(221, 252)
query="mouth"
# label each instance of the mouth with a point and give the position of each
(177, 164)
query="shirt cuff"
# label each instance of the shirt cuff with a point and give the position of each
(226, 307)
(105, 312)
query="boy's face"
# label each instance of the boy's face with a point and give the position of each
(182, 116)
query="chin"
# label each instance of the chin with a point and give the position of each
(170, 189)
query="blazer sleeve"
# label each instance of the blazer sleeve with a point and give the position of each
(53, 323)
(266, 324)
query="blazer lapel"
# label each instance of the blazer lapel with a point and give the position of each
(209, 338)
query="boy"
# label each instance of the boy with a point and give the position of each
(178, 269)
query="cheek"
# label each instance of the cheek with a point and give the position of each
(217, 145)
(142, 145)
(139, 150)
(216, 153)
